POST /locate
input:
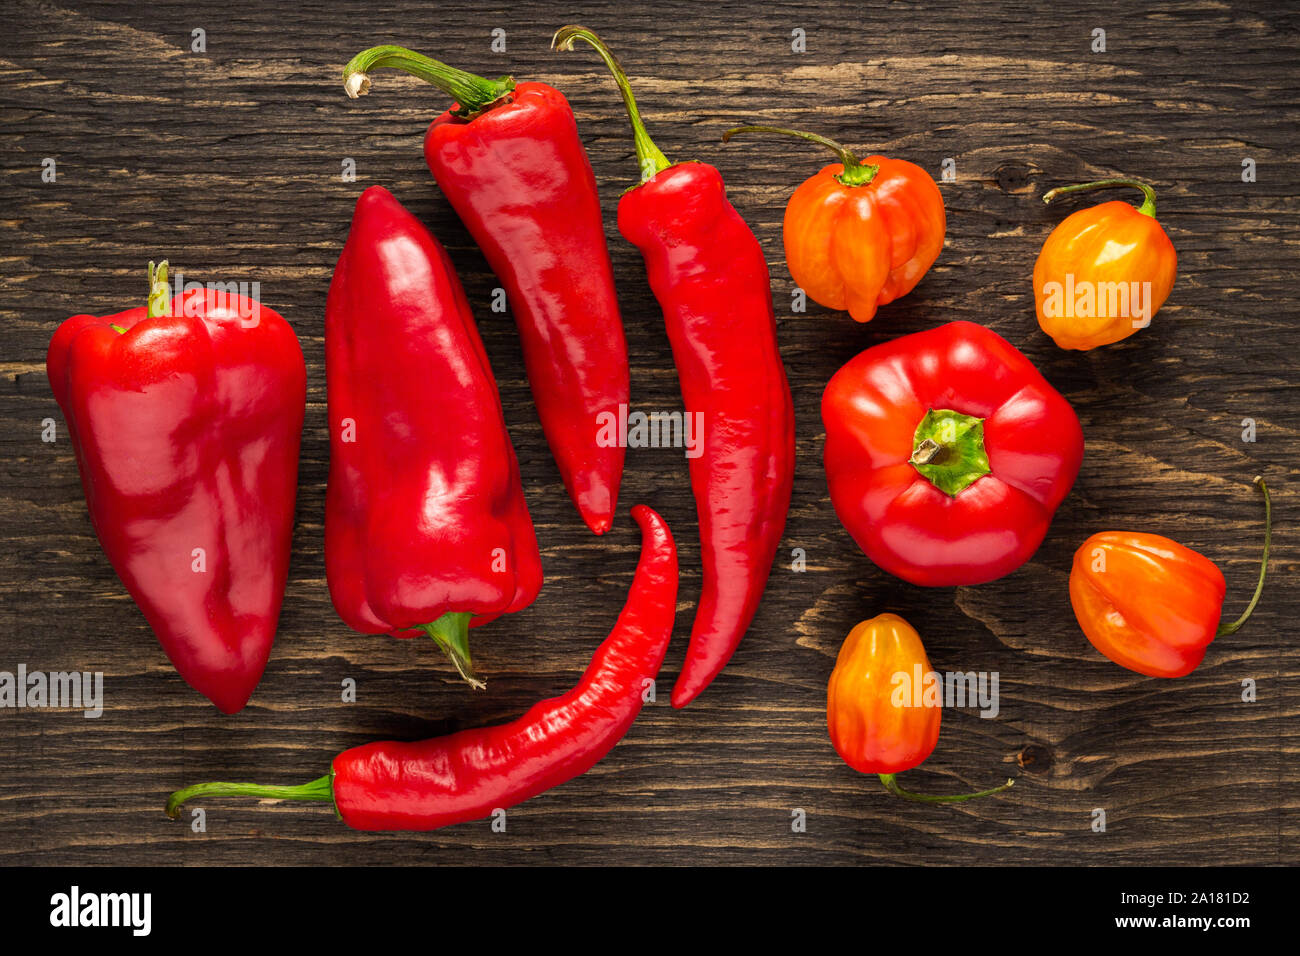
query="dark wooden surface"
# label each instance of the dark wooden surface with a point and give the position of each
(228, 163)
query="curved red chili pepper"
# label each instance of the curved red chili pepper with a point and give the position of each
(710, 276)
(186, 421)
(509, 159)
(425, 520)
(468, 775)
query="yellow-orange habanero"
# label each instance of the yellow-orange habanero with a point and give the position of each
(860, 233)
(1104, 271)
(872, 729)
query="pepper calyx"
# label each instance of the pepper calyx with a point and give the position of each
(320, 790)
(853, 172)
(650, 159)
(892, 785)
(948, 450)
(451, 632)
(159, 302)
(473, 94)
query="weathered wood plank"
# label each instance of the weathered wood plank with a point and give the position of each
(228, 163)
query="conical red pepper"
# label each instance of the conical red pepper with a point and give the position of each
(508, 158)
(426, 527)
(186, 420)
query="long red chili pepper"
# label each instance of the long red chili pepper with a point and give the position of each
(508, 158)
(710, 276)
(468, 775)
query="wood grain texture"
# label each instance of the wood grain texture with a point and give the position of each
(228, 163)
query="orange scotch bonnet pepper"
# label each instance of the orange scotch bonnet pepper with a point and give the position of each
(875, 726)
(1104, 271)
(1150, 604)
(860, 233)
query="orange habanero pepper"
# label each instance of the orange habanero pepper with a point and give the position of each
(1104, 271)
(1150, 604)
(860, 234)
(876, 725)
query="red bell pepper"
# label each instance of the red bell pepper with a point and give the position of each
(186, 420)
(947, 454)
(710, 276)
(508, 158)
(471, 774)
(426, 527)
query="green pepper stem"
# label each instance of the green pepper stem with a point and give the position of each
(1148, 207)
(473, 94)
(856, 172)
(648, 156)
(892, 786)
(948, 450)
(159, 302)
(320, 789)
(451, 631)
(1263, 565)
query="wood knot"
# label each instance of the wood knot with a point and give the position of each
(1035, 759)
(1015, 177)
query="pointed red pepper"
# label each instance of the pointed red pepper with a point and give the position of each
(710, 276)
(508, 158)
(186, 420)
(475, 773)
(426, 527)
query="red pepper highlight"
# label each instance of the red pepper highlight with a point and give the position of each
(508, 158)
(710, 276)
(186, 420)
(426, 526)
(468, 775)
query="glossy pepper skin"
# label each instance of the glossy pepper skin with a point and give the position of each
(710, 276)
(1104, 271)
(879, 718)
(467, 775)
(426, 526)
(186, 421)
(517, 175)
(860, 233)
(1149, 603)
(947, 454)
